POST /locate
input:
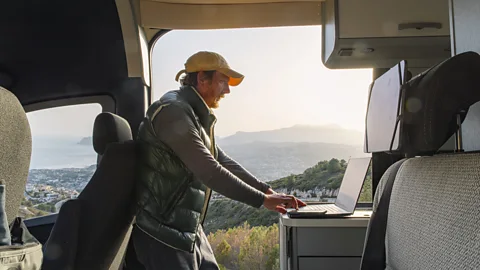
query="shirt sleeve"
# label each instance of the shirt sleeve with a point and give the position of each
(239, 171)
(176, 129)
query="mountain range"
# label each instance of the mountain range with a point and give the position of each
(273, 154)
(298, 133)
(333, 134)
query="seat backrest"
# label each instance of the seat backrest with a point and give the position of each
(105, 205)
(434, 217)
(108, 208)
(15, 151)
(433, 100)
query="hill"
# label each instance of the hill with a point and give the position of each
(298, 133)
(269, 161)
(325, 177)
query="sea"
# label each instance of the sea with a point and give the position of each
(59, 152)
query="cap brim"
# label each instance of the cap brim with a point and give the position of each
(235, 77)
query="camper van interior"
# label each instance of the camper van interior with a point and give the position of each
(326, 81)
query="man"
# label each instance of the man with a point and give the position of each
(180, 165)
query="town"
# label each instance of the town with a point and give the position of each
(48, 189)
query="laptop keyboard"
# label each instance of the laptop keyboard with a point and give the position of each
(330, 208)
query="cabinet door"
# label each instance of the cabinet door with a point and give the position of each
(380, 18)
(338, 263)
(330, 242)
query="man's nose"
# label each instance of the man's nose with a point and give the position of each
(226, 90)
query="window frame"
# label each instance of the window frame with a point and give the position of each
(151, 46)
(106, 102)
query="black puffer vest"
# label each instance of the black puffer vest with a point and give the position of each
(172, 202)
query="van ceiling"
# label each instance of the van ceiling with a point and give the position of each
(230, 2)
(218, 14)
(57, 49)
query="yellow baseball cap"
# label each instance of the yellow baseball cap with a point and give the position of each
(205, 61)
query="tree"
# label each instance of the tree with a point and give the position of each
(43, 207)
(251, 255)
(26, 202)
(290, 182)
(273, 261)
(334, 166)
(222, 252)
(366, 194)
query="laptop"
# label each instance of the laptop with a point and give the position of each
(347, 197)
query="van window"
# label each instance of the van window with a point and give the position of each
(63, 159)
(292, 123)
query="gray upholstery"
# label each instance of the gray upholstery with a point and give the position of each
(434, 214)
(15, 150)
(109, 128)
(106, 211)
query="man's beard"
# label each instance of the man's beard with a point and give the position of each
(215, 101)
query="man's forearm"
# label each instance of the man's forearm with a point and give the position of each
(179, 134)
(226, 183)
(208, 171)
(239, 171)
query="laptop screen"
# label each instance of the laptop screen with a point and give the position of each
(352, 183)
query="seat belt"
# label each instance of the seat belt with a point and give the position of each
(374, 257)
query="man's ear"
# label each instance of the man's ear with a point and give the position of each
(200, 77)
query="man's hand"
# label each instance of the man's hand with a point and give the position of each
(279, 202)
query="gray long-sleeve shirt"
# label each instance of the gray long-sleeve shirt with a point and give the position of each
(225, 176)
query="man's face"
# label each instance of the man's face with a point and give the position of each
(213, 90)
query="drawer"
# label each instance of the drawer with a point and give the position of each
(338, 263)
(330, 241)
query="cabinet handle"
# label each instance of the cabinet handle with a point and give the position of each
(419, 25)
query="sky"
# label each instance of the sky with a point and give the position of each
(74, 120)
(285, 82)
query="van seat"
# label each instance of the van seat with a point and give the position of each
(434, 208)
(15, 150)
(92, 231)
(434, 213)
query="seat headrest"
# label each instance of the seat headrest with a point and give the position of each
(434, 98)
(15, 150)
(109, 128)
